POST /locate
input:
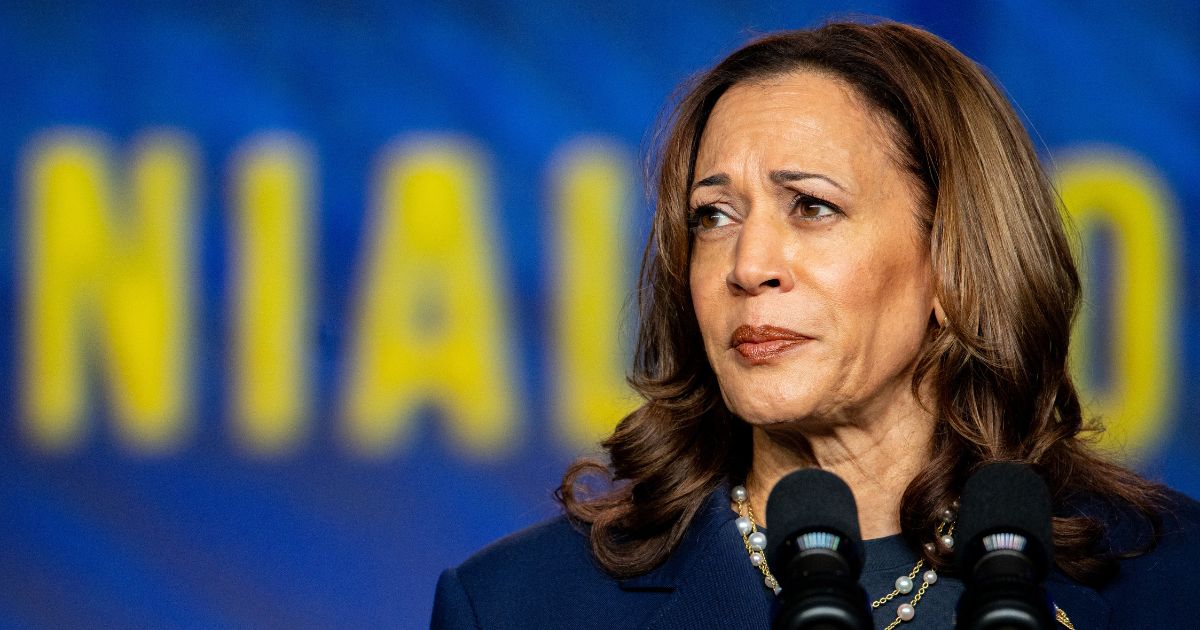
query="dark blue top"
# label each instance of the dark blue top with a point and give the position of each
(545, 577)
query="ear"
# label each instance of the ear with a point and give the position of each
(939, 315)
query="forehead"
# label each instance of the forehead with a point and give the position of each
(803, 115)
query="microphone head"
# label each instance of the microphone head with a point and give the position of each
(811, 500)
(1005, 498)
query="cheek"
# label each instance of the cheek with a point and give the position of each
(705, 284)
(710, 303)
(899, 304)
(842, 284)
(883, 291)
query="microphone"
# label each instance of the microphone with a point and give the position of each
(816, 551)
(1004, 521)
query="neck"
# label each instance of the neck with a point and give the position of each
(876, 459)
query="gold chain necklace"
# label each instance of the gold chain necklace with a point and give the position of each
(756, 542)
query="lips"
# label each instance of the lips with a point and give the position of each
(760, 344)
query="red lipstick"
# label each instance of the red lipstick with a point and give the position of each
(760, 344)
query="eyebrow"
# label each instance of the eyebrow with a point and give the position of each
(720, 179)
(778, 177)
(781, 177)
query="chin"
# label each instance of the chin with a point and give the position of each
(760, 411)
(784, 402)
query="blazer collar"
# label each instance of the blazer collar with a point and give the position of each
(712, 514)
(709, 578)
(1083, 605)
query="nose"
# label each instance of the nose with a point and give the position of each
(760, 259)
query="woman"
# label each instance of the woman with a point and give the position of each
(857, 264)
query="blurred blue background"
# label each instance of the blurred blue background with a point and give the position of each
(305, 302)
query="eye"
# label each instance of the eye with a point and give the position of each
(809, 207)
(708, 217)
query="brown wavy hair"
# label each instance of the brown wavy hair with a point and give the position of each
(1002, 271)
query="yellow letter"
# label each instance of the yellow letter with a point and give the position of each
(431, 325)
(271, 206)
(1113, 191)
(117, 277)
(592, 210)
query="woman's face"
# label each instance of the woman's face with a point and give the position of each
(810, 278)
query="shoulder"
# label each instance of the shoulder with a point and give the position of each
(547, 547)
(543, 576)
(1157, 586)
(1178, 548)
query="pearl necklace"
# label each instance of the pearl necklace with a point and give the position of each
(756, 541)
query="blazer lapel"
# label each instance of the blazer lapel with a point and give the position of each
(710, 576)
(1083, 606)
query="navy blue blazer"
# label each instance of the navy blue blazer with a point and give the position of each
(545, 577)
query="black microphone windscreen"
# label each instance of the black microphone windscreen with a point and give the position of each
(1006, 497)
(810, 499)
